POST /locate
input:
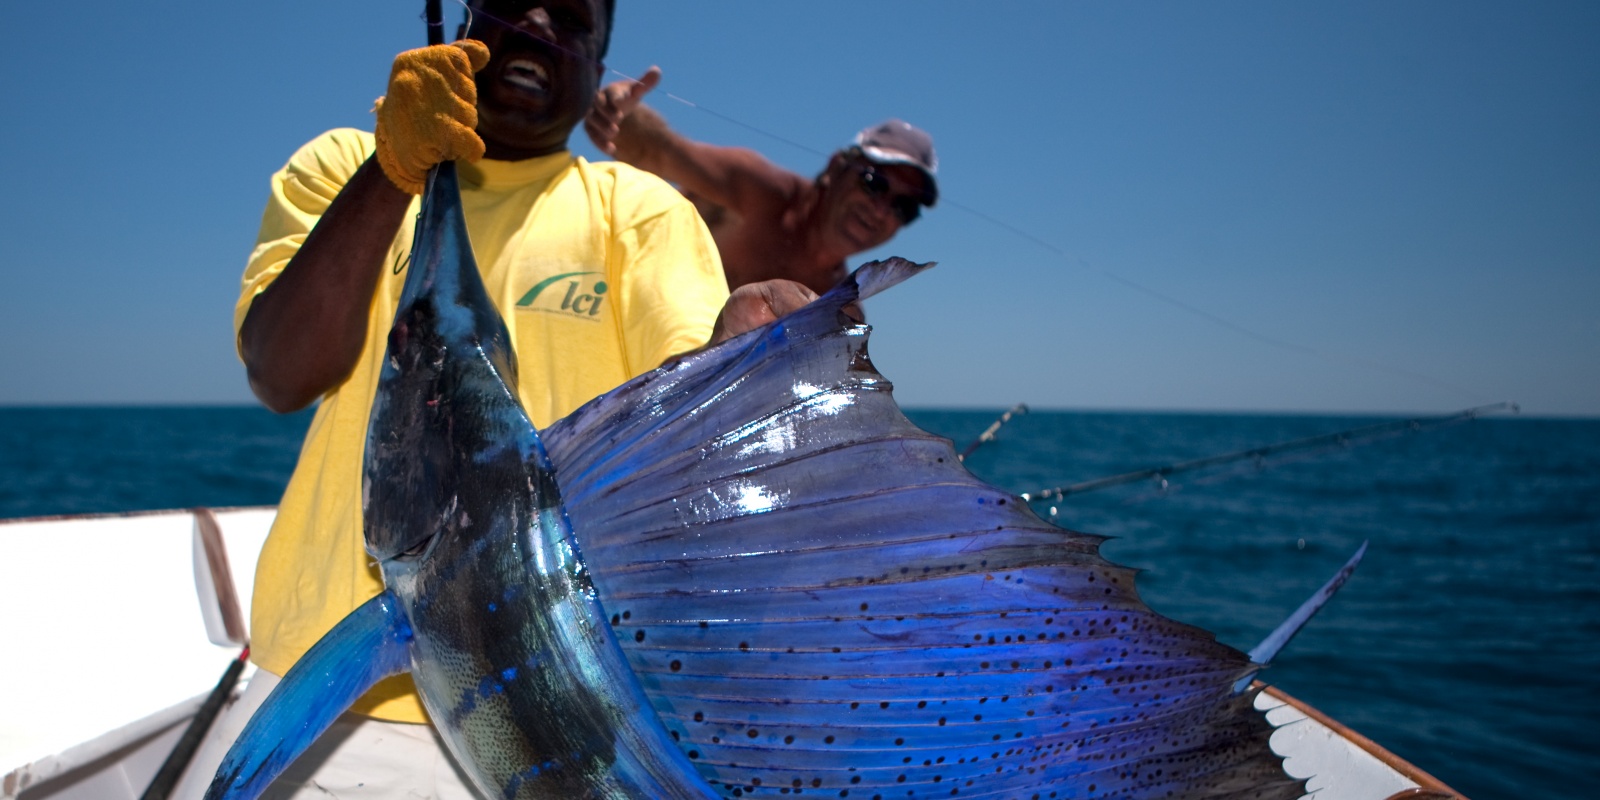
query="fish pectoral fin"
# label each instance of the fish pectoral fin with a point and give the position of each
(368, 645)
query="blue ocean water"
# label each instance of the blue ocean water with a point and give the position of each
(1468, 642)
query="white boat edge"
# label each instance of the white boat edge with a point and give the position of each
(111, 749)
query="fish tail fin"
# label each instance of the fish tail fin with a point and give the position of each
(1263, 653)
(368, 645)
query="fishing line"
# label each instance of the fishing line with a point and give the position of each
(1262, 459)
(1077, 262)
(1323, 443)
(1331, 356)
(726, 118)
(466, 24)
(1165, 489)
(596, 62)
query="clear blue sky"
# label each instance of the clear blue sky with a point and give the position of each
(1397, 203)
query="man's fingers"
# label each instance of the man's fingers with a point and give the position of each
(613, 103)
(477, 52)
(464, 144)
(755, 304)
(784, 296)
(616, 95)
(600, 132)
(430, 112)
(638, 89)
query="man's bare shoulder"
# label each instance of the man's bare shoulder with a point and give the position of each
(757, 187)
(765, 174)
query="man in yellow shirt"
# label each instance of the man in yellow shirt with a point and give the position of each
(601, 272)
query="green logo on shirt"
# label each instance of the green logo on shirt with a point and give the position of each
(575, 297)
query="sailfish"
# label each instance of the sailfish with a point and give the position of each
(745, 573)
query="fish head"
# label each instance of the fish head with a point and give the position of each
(444, 408)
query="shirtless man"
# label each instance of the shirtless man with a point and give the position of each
(769, 222)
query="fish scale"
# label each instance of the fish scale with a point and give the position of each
(1072, 697)
(964, 592)
(881, 573)
(1004, 668)
(658, 530)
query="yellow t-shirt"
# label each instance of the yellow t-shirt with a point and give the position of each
(601, 272)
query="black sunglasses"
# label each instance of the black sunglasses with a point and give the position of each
(906, 207)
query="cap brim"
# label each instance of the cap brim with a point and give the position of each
(892, 157)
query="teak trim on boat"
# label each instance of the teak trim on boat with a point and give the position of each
(216, 555)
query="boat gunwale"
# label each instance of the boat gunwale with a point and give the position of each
(1428, 787)
(150, 512)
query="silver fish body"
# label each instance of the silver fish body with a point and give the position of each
(510, 650)
(486, 602)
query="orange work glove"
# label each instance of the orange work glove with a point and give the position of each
(430, 113)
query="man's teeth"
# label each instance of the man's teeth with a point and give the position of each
(528, 74)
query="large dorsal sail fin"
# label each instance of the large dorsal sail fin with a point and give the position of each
(815, 593)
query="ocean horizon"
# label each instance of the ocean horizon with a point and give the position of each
(1466, 643)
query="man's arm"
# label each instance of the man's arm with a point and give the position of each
(305, 332)
(621, 125)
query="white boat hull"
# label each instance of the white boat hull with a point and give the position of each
(113, 634)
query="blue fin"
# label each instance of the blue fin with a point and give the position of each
(1263, 653)
(368, 645)
(816, 595)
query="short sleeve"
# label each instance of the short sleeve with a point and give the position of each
(673, 285)
(300, 193)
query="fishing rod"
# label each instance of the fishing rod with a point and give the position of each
(178, 760)
(994, 428)
(1338, 438)
(235, 631)
(435, 16)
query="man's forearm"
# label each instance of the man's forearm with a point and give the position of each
(646, 141)
(305, 332)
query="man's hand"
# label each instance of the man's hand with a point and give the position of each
(755, 304)
(430, 114)
(612, 104)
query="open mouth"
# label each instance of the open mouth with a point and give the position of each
(864, 230)
(525, 73)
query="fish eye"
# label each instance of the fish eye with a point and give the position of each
(417, 550)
